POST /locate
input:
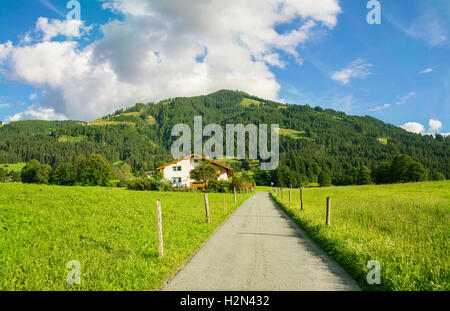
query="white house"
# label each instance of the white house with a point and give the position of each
(179, 172)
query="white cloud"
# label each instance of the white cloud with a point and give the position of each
(153, 52)
(5, 50)
(68, 28)
(435, 125)
(35, 112)
(5, 105)
(428, 70)
(405, 99)
(357, 69)
(413, 127)
(379, 108)
(33, 96)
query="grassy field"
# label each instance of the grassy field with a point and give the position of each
(17, 167)
(405, 227)
(111, 232)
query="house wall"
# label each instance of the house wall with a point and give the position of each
(187, 165)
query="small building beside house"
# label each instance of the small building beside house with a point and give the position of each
(179, 172)
(149, 174)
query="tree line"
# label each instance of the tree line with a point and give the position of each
(321, 140)
(401, 169)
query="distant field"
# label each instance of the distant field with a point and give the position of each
(17, 167)
(103, 122)
(112, 233)
(70, 139)
(405, 227)
(247, 102)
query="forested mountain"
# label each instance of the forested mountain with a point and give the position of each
(311, 139)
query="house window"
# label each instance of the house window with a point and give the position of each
(176, 180)
(176, 168)
(195, 160)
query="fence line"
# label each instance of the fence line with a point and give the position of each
(383, 219)
(80, 245)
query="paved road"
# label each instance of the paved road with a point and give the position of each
(260, 248)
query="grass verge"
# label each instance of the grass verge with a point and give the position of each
(112, 233)
(404, 227)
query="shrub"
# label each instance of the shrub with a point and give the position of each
(139, 184)
(401, 169)
(220, 186)
(204, 173)
(364, 176)
(438, 176)
(95, 171)
(3, 175)
(149, 184)
(29, 171)
(34, 172)
(123, 173)
(43, 174)
(63, 174)
(324, 179)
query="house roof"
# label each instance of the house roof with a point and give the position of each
(226, 166)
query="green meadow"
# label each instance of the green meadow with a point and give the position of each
(17, 167)
(112, 233)
(405, 227)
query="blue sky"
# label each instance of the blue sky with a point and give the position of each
(320, 52)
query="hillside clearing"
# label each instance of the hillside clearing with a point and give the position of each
(17, 167)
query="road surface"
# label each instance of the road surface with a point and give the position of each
(259, 248)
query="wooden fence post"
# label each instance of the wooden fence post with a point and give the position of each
(160, 234)
(207, 208)
(290, 198)
(328, 220)
(234, 191)
(301, 199)
(224, 202)
(281, 193)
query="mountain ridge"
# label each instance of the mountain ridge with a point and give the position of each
(311, 139)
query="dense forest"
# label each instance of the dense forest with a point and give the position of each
(312, 140)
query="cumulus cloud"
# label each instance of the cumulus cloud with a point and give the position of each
(435, 125)
(357, 69)
(5, 50)
(33, 96)
(35, 112)
(413, 127)
(169, 48)
(53, 28)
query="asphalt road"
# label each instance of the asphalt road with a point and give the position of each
(260, 248)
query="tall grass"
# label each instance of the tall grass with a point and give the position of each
(112, 233)
(405, 227)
